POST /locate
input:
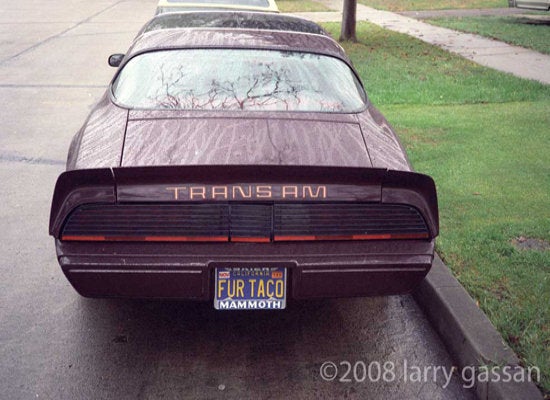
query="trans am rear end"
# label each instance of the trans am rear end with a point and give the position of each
(242, 167)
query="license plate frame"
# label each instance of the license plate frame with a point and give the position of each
(238, 287)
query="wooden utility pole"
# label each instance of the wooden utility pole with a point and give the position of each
(349, 16)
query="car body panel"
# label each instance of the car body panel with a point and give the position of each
(100, 141)
(156, 185)
(185, 270)
(385, 149)
(220, 38)
(226, 141)
(332, 194)
(327, 269)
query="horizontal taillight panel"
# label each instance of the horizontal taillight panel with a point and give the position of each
(353, 221)
(246, 222)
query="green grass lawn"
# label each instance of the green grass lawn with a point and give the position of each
(517, 30)
(289, 6)
(416, 5)
(484, 137)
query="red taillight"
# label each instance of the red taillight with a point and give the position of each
(250, 239)
(351, 237)
(84, 238)
(244, 223)
(299, 238)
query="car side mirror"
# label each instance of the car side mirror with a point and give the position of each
(115, 59)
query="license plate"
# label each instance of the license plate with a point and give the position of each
(250, 288)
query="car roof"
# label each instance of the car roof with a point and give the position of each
(253, 5)
(232, 19)
(201, 38)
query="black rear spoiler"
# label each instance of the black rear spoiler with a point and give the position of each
(159, 184)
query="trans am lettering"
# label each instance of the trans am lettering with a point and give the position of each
(243, 192)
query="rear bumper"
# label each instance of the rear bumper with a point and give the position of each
(186, 271)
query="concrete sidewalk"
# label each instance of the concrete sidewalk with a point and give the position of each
(515, 60)
(464, 12)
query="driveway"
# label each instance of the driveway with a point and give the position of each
(55, 344)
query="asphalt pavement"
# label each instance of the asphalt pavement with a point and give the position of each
(55, 344)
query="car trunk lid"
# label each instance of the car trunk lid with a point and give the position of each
(159, 138)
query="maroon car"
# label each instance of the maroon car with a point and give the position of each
(243, 167)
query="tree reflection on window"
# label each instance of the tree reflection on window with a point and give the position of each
(228, 79)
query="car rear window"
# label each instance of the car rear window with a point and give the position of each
(238, 79)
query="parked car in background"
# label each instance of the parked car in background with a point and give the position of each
(164, 6)
(543, 5)
(231, 19)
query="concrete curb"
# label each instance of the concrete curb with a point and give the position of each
(469, 336)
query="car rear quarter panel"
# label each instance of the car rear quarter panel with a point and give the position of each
(99, 142)
(385, 149)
